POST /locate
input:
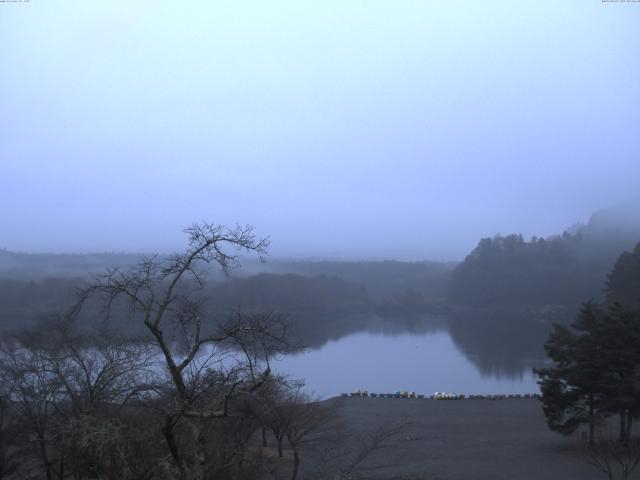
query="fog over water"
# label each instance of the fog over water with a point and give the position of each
(340, 129)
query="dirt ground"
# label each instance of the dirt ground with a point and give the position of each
(468, 439)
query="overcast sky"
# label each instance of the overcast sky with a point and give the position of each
(357, 129)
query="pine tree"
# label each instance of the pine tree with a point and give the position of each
(572, 389)
(623, 283)
(596, 370)
(620, 365)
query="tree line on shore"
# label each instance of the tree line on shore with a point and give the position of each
(558, 270)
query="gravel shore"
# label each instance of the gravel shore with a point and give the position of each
(468, 439)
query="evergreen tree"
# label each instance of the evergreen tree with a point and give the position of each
(572, 389)
(620, 363)
(596, 370)
(623, 283)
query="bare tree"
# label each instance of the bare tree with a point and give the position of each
(9, 457)
(95, 369)
(68, 395)
(205, 373)
(274, 414)
(33, 392)
(614, 459)
(307, 418)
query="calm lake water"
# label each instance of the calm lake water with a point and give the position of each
(385, 363)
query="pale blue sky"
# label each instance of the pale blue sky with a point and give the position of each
(340, 128)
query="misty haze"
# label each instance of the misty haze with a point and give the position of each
(337, 240)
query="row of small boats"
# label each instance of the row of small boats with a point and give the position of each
(437, 395)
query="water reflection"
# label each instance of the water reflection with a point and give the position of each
(384, 363)
(506, 342)
(468, 351)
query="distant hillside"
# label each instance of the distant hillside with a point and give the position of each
(36, 285)
(504, 270)
(35, 266)
(383, 280)
(289, 293)
(564, 269)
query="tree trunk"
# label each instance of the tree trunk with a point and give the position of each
(629, 425)
(296, 463)
(280, 447)
(45, 460)
(623, 424)
(264, 437)
(197, 471)
(592, 422)
(167, 431)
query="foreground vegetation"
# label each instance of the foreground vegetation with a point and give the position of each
(188, 395)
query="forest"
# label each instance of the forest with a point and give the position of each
(559, 270)
(501, 272)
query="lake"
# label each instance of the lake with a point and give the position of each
(424, 360)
